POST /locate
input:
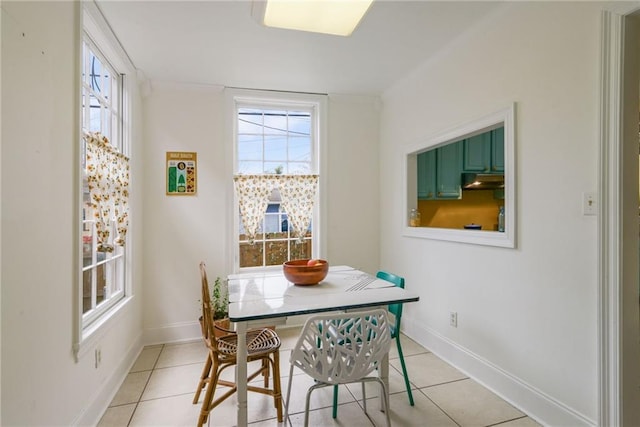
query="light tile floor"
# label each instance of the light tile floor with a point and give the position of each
(160, 387)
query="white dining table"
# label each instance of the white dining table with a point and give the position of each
(267, 299)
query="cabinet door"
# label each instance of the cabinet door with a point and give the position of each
(448, 167)
(427, 175)
(477, 153)
(497, 150)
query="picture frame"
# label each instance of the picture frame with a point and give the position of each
(181, 173)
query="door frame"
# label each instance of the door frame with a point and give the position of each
(618, 328)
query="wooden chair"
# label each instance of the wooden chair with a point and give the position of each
(262, 345)
(342, 348)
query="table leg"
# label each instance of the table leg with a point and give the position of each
(241, 373)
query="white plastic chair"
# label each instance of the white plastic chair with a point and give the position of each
(342, 348)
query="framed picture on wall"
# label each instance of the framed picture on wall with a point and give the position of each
(181, 173)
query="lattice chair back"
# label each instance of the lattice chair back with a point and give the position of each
(342, 348)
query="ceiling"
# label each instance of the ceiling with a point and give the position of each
(220, 43)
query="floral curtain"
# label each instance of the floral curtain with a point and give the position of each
(253, 197)
(297, 194)
(108, 179)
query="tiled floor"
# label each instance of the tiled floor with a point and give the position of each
(160, 387)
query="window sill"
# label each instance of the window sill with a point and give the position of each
(94, 332)
(487, 238)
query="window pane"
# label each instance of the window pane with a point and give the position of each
(250, 122)
(251, 255)
(299, 168)
(250, 168)
(101, 283)
(273, 167)
(300, 123)
(95, 73)
(275, 148)
(275, 123)
(86, 290)
(276, 252)
(106, 124)
(95, 118)
(300, 250)
(300, 149)
(249, 147)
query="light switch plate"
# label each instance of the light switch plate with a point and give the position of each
(589, 204)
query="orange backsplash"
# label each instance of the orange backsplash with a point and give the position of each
(477, 207)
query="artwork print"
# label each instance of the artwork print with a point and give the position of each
(181, 173)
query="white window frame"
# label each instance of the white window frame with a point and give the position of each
(317, 104)
(113, 263)
(88, 329)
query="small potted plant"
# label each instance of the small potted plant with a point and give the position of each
(219, 297)
(220, 301)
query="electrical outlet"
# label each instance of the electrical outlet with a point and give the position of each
(453, 319)
(589, 204)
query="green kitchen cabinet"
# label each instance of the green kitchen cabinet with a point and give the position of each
(448, 166)
(439, 176)
(497, 150)
(484, 153)
(477, 153)
(427, 175)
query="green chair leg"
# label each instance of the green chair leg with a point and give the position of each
(404, 370)
(335, 401)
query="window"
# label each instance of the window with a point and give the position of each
(275, 137)
(103, 272)
(480, 153)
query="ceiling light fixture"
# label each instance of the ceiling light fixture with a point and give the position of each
(337, 17)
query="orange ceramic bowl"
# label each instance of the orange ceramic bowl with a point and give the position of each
(299, 273)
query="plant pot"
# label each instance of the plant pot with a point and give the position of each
(221, 326)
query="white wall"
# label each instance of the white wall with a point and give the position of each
(42, 384)
(180, 231)
(526, 316)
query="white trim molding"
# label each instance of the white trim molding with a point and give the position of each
(618, 314)
(609, 222)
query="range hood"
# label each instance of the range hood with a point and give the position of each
(482, 181)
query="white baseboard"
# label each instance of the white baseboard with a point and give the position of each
(190, 331)
(174, 333)
(533, 402)
(100, 401)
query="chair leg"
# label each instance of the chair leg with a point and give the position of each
(385, 394)
(277, 389)
(265, 372)
(404, 369)
(208, 397)
(364, 398)
(335, 402)
(204, 378)
(307, 403)
(286, 405)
